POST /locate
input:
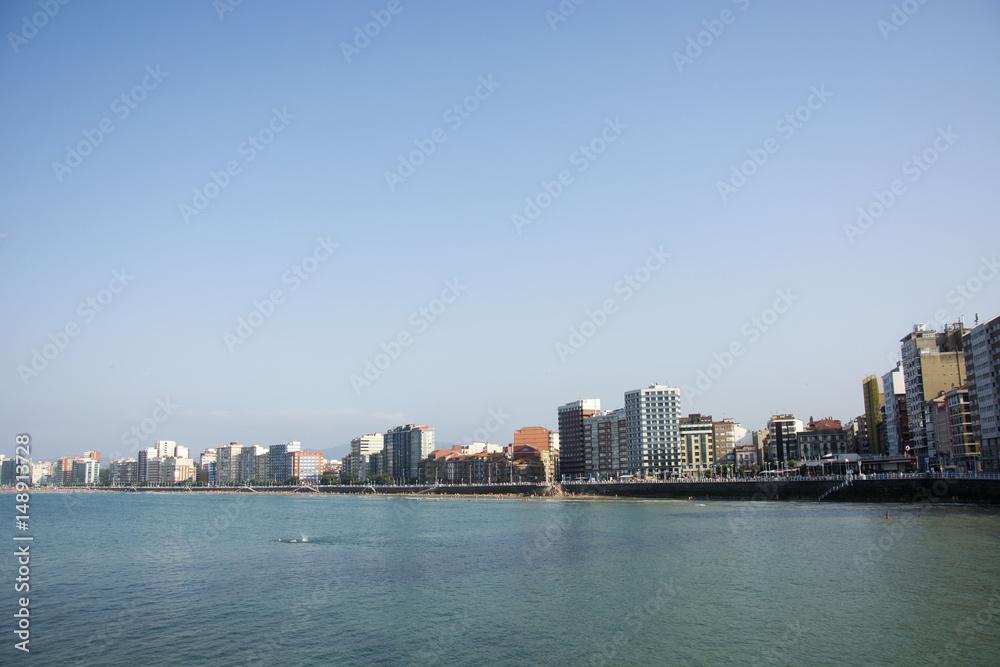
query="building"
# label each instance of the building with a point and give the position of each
(86, 471)
(165, 448)
(93, 456)
(362, 448)
(543, 440)
(981, 347)
(7, 471)
(781, 444)
(571, 453)
(41, 472)
(726, 434)
(871, 389)
(249, 465)
(123, 472)
(206, 467)
(821, 438)
(142, 459)
(174, 470)
(697, 434)
(527, 465)
(405, 447)
(278, 469)
(605, 445)
(896, 423)
(933, 364)
(963, 451)
(227, 464)
(653, 428)
(306, 466)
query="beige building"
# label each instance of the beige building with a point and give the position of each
(697, 444)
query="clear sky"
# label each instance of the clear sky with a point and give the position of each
(674, 169)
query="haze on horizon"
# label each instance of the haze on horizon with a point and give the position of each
(227, 212)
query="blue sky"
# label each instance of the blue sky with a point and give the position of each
(200, 86)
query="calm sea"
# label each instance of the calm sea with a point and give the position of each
(195, 579)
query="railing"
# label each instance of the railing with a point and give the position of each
(846, 483)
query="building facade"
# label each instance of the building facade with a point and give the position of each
(404, 448)
(982, 361)
(652, 419)
(571, 416)
(605, 445)
(698, 444)
(933, 364)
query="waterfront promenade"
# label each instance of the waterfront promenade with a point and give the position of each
(978, 489)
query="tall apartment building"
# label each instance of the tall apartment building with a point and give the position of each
(698, 443)
(142, 459)
(307, 466)
(248, 463)
(571, 453)
(362, 448)
(123, 472)
(227, 464)
(871, 388)
(897, 425)
(782, 443)
(933, 364)
(605, 445)
(206, 467)
(278, 469)
(982, 362)
(653, 427)
(404, 448)
(726, 434)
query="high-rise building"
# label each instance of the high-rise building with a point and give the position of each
(697, 443)
(653, 427)
(897, 426)
(94, 456)
(248, 463)
(362, 448)
(307, 466)
(86, 471)
(227, 464)
(781, 443)
(571, 416)
(165, 448)
(605, 445)
(207, 467)
(872, 390)
(404, 448)
(726, 434)
(933, 364)
(7, 469)
(123, 472)
(142, 459)
(982, 361)
(277, 462)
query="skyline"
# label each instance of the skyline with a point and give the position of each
(264, 212)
